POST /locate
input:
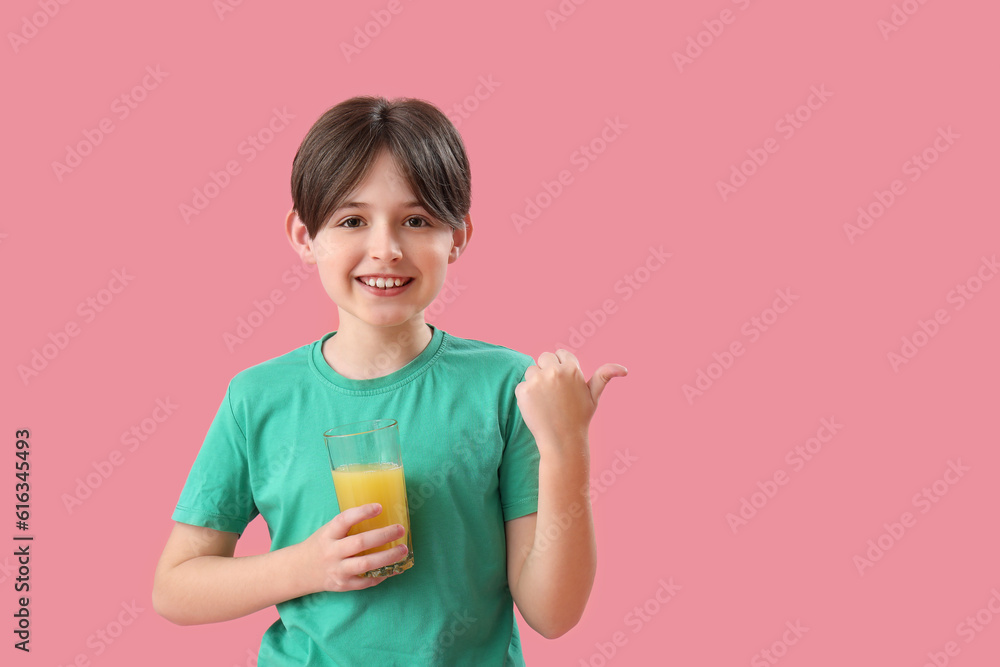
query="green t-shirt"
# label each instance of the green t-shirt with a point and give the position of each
(470, 463)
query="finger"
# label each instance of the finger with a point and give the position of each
(358, 565)
(529, 372)
(568, 358)
(343, 522)
(369, 539)
(368, 582)
(356, 582)
(601, 378)
(546, 359)
(519, 391)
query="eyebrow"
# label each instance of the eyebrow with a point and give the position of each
(361, 204)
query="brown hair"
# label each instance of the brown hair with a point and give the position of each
(341, 147)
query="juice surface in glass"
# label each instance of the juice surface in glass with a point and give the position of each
(383, 483)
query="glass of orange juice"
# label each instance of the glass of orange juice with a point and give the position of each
(367, 468)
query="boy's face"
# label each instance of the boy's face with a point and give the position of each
(381, 233)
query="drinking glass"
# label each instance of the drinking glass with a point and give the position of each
(367, 467)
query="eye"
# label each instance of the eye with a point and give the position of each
(421, 221)
(348, 222)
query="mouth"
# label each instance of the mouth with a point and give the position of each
(384, 285)
(384, 282)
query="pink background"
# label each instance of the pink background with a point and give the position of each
(661, 517)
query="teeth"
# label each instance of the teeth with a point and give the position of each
(384, 283)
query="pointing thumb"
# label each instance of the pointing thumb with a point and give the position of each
(601, 378)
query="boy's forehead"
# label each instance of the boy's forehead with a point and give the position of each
(384, 171)
(389, 167)
(364, 205)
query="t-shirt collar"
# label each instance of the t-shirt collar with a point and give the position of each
(376, 385)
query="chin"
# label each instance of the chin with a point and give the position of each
(387, 322)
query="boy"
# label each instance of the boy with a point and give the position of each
(495, 448)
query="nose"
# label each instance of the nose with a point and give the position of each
(384, 243)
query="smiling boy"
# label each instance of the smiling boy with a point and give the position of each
(495, 447)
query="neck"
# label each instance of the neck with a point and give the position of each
(362, 352)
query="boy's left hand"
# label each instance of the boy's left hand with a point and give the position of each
(556, 402)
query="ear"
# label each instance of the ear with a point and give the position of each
(460, 239)
(298, 236)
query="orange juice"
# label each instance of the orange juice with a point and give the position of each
(383, 483)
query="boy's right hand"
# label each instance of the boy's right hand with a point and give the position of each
(329, 554)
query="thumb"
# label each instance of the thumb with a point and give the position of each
(601, 378)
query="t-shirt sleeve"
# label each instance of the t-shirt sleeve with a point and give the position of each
(519, 466)
(217, 493)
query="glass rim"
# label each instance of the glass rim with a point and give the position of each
(359, 428)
